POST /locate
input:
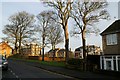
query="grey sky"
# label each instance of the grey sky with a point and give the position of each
(11, 7)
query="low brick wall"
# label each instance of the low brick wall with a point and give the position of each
(51, 59)
(33, 57)
(46, 58)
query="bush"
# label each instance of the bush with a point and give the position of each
(76, 64)
(18, 56)
(74, 61)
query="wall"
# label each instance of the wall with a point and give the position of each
(119, 43)
(5, 49)
(46, 58)
(111, 49)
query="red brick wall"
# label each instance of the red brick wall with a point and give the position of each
(46, 58)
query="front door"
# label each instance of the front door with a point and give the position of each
(108, 64)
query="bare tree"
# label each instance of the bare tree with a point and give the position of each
(63, 9)
(19, 28)
(44, 19)
(85, 14)
(55, 35)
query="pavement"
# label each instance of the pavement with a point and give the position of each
(74, 73)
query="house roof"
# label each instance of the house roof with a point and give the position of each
(90, 46)
(59, 50)
(1, 43)
(113, 28)
(63, 50)
(53, 50)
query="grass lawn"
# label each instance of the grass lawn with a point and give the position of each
(51, 63)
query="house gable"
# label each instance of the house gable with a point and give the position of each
(5, 49)
(113, 28)
(111, 39)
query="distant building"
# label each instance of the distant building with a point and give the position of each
(5, 49)
(111, 47)
(31, 50)
(59, 53)
(90, 50)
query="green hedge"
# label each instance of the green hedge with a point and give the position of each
(74, 61)
(17, 56)
(78, 64)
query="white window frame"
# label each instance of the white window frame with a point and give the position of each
(111, 58)
(111, 39)
(105, 66)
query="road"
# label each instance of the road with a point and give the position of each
(21, 70)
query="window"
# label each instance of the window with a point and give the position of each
(111, 39)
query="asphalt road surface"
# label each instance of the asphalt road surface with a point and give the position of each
(20, 70)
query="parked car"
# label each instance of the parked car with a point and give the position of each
(3, 63)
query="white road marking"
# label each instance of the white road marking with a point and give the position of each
(17, 77)
(13, 73)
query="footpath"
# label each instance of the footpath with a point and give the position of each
(74, 73)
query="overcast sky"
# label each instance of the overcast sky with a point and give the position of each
(9, 7)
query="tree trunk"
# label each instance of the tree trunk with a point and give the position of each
(66, 43)
(84, 50)
(84, 45)
(43, 48)
(53, 48)
(20, 46)
(16, 47)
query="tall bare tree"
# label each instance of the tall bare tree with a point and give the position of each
(44, 18)
(63, 9)
(85, 14)
(19, 28)
(55, 35)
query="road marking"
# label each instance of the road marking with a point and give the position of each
(17, 77)
(11, 71)
(14, 74)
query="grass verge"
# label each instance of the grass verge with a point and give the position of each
(50, 63)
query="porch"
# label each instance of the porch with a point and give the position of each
(110, 62)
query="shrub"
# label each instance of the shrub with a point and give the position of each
(17, 56)
(76, 62)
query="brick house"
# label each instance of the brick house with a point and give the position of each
(91, 50)
(31, 50)
(51, 53)
(5, 49)
(110, 60)
(59, 53)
